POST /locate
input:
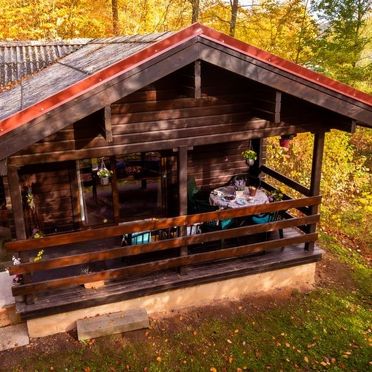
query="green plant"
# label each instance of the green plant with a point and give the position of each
(103, 173)
(249, 154)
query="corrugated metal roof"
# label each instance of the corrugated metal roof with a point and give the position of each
(21, 58)
(85, 60)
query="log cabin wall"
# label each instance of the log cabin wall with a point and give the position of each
(165, 115)
(52, 187)
(213, 165)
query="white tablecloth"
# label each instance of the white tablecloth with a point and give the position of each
(218, 197)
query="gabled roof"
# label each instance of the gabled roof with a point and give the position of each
(89, 57)
(19, 59)
(96, 65)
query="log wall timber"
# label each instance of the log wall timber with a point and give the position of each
(55, 200)
(166, 115)
(213, 165)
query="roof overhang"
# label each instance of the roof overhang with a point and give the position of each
(196, 42)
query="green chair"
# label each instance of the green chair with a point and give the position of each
(143, 237)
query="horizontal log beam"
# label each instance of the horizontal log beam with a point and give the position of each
(287, 181)
(159, 145)
(156, 224)
(159, 246)
(147, 268)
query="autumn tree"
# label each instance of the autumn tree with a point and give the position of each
(342, 39)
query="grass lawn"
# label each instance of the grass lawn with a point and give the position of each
(329, 328)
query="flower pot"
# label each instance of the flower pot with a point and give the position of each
(284, 142)
(249, 162)
(105, 180)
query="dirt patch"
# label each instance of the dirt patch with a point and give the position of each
(331, 273)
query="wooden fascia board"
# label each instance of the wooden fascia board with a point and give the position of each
(286, 66)
(98, 78)
(261, 72)
(98, 98)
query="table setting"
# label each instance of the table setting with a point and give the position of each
(231, 197)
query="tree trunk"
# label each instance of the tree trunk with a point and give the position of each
(195, 10)
(115, 17)
(234, 14)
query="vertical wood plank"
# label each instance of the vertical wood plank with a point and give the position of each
(316, 173)
(3, 167)
(16, 199)
(182, 194)
(115, 190)
(197, 79)
(278, 107)
(75, 196)
(107, 123)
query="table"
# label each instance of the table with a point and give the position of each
(220, 197)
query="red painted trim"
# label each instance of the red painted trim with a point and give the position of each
(98, 78)
(22, 117)
(287, 66)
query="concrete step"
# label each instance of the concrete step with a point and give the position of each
(110, 324)
(13, 336)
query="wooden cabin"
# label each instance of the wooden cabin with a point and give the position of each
(167, 116)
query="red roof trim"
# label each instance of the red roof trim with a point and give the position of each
(98, 78)
(287, 66)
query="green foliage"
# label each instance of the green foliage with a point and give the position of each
(342, 39)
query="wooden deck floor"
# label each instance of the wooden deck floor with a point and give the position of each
(113, 291)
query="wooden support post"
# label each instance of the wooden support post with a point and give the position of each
(107, 124)
(316, 171)
(182, 194)
(254, 170)
(197, 79)
(16, 198)
(115, 190)
(75, 195)
(278, 107)
(3, 167)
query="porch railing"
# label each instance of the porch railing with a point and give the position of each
(181, 241)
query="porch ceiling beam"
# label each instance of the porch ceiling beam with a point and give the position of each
(154, 145)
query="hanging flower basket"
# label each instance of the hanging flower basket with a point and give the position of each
(285, 140)
(104, 174)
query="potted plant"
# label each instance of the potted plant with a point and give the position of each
(250, 156)
(239, 184)
(104, 175)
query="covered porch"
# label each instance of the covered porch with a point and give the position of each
(181, 106)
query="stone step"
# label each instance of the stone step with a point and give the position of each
(110, 324)
(13, 336)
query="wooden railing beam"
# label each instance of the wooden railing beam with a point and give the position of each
(156, 224)
(160, 245)
(287, 181)
(147, 268)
